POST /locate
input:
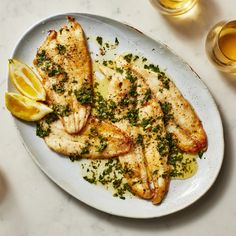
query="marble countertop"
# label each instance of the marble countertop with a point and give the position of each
(31, 204)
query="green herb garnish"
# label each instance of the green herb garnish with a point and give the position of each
(167, 110)
(103, 144)
(84, 95)
(58, 88)
(147, 96)
(200, 154)
(42, 131)
(139, 139)
(128, 57)
(61, 49)
(99, 40)
(132, 116)
(116, 41)
(61, 110)
(41, 58)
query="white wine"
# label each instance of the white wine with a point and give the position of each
(227, 42)
(175, 7)
(221, 46)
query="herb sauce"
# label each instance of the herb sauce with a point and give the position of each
(106, 173)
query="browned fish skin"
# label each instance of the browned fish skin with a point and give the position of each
(97, 140)
(184, 123)
(64, 63)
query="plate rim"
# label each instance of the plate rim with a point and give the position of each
(64, 188)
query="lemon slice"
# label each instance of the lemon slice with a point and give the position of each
(25, 108)
(26, 81)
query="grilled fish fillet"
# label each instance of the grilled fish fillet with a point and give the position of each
(64, 63)
(182, 121)
(96, 140)
(147, 168)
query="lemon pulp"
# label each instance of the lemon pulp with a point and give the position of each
(26, 81)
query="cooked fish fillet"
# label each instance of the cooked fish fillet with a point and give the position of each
(134, 165)
(182, 121)
(64, 63)
(148, 162)
(156, 148)
(97, 139)
(133, 162)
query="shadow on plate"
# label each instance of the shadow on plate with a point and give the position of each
(194, 23)
(3, 187)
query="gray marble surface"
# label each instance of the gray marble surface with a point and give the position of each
(30, 204)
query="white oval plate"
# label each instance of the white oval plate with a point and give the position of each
(67, 174)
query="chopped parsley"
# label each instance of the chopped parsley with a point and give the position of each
(139, 139)
(161, 75)
(144, 59)
(104, 63)
(136, 57)
(167, 111)
(128, 171)
(132, 116)
(163, 146)
(55, 70)
(164, 79)
(51, 117)
(103, 144)
(108, 173)
(41, 58)
(104, 109)
(133, 90)
(147, 96)
(61, 49)
(51, 68)
(119, 70)
(42, 131)
(75, 157)
(85, 149)
(93, 132)
(146, 122)
(152, 67)
(130, 76)
(116, 41)
(99, 40)
(62, 110)
(128, 57)
(59, 88)
(84, 95)
(175, 158)
(156, 128)
(91, 180)
(200, 154)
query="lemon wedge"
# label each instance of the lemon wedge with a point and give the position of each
(26, 81)
(25, 108)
